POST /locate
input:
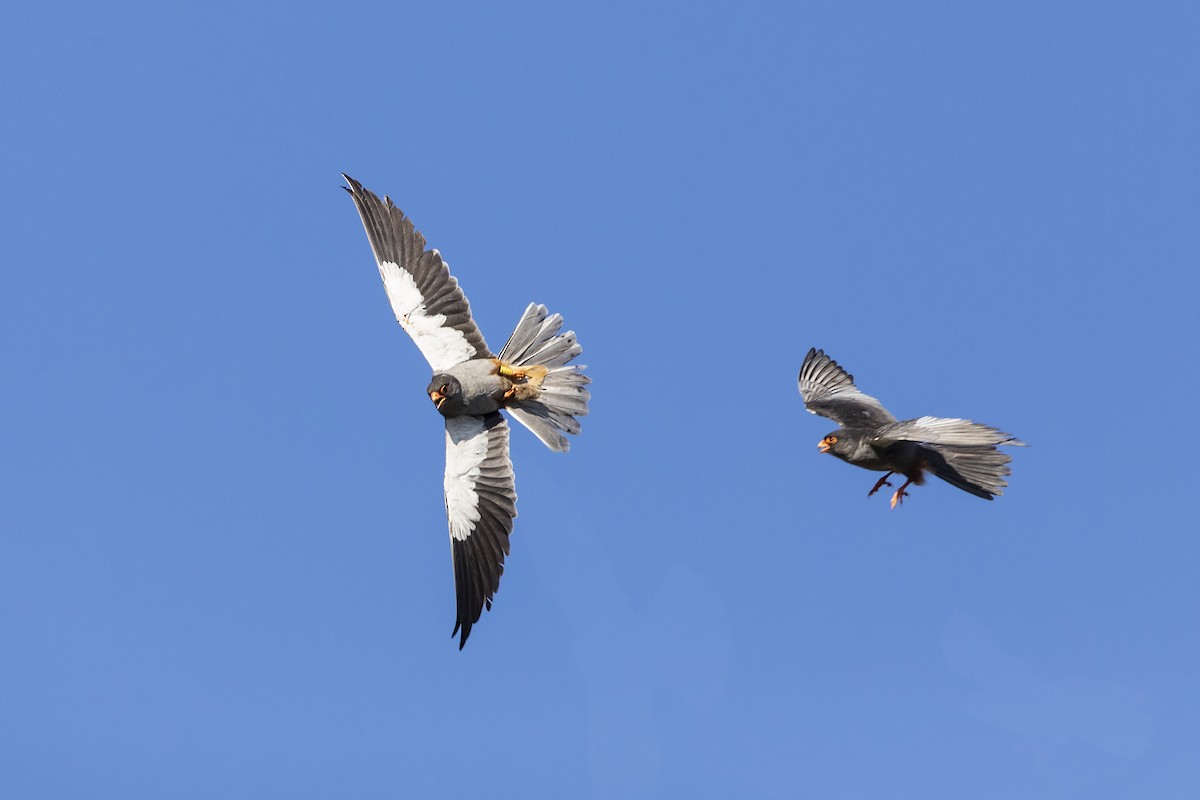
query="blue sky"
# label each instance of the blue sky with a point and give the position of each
(224, 568)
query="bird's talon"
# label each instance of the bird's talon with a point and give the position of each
(900, 494)
(880, 483)
(506, 371)
(878, 486)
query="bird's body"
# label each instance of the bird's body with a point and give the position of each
(474, 387)
(531, 378)
(961, 452)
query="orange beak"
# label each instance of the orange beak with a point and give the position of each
(823, 446)
(437, 397)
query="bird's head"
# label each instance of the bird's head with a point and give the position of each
(445, 392)
(836, 443)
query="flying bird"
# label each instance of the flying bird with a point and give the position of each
(960, 452)
(530, 378)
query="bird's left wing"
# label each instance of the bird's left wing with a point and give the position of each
(829, 390)
(481, 502)
(424, 295)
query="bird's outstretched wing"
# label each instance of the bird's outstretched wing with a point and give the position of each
(942, 430)
(424, 295)
(481, 501)
(829, 390)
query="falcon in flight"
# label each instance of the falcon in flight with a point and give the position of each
(530, 378)
(960, 452)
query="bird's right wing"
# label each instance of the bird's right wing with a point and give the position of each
(942, 430)
(425, 297)
(829, 390)
(481, 502)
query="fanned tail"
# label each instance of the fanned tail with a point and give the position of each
(536, 346)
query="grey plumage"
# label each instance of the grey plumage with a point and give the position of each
(563, 396)
(472, 387)
(961, 452)
(531, 378)
(978, 470)
(829, 390)
(942, 430)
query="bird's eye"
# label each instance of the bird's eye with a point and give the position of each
(442, 390)
(831, 439)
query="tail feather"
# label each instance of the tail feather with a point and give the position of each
(562, 396)
(978, 470)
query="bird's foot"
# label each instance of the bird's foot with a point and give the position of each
(900, 494)
(880, 484)
(509, 371)
(533, 374)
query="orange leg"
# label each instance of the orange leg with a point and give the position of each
(880, 484)
(532, 373)
(897, 498)
(513, 374)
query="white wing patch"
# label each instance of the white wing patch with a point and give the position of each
(466, 448)
(443, 346)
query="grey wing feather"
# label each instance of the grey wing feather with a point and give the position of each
(425, 297)
(481, 502)
(940, 430)
(829, 390)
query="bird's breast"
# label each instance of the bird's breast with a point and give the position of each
(482, 389)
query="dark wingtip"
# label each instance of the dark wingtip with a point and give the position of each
(466, 631)
(812, 351)
(812, 355)
(355, 189)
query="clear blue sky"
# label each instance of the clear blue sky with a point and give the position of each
(224, 567)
